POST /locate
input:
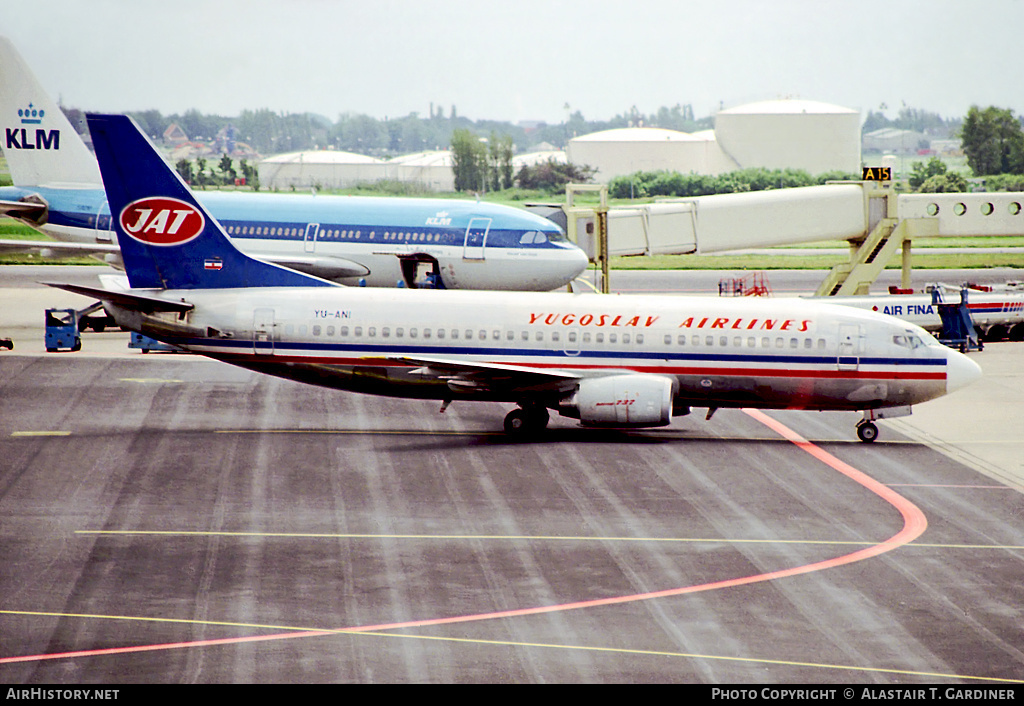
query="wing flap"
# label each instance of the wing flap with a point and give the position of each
(470, 376)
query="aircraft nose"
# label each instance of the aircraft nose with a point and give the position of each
(960, 371)
(580, 260)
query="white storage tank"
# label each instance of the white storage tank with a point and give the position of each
(638, 149)
(798, 134)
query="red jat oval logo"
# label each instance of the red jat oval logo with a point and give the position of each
(162, 221)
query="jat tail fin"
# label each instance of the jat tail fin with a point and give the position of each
(167, 240)
(41, 147)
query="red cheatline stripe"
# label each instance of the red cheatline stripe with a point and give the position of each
(914, 525)
(783, 372)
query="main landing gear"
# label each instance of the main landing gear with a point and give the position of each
(867, 431)
(528, 419)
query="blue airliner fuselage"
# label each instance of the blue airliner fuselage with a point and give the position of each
(372, 241)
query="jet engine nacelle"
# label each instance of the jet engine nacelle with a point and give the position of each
(624, 401)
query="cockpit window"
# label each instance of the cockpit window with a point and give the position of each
(908, 340)
(533, 237)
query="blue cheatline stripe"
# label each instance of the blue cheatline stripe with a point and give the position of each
(295, 347)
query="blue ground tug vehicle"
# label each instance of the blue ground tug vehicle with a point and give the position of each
(62, 330)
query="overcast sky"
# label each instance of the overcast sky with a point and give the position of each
(522, 60)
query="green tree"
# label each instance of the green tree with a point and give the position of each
(200, 178)
(922, 171)
(184, 169)
(993, 141)
(944, 184)
(469, 161)
(552, 176)
(499, 163)
(227, 170)
(250, 174)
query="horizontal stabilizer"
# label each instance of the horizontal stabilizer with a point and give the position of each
(50, 248)
(32, 210)
(125, 300)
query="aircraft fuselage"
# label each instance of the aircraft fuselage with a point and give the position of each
(721, 353)
(474, 245)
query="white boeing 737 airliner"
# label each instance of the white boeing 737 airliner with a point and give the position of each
(456, 244)
(623, 361)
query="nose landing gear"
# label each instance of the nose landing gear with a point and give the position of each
(867, 431)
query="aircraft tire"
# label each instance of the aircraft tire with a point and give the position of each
(867, 432)
(526, 420)
(516, 422)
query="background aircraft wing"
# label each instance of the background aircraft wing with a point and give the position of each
(53, 248)
(322, 266)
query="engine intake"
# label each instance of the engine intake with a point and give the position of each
(622, 401)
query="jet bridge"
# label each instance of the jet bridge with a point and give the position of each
(871, 216)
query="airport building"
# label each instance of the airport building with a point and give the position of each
(779, 134)
(330, 169)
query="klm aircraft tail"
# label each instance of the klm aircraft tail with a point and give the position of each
(41, 147)
(167, 239)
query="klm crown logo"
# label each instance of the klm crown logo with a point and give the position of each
(441, 219)
(23, 139)
(31, 116)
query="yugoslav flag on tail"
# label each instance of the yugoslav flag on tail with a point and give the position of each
(167, 239)
(41, 147)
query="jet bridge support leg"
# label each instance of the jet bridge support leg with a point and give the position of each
(869, 257)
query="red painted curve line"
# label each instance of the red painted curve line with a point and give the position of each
(914, 525)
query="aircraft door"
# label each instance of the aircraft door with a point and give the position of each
(104, 226)
(849, 347)
(312, 230)
(263, 331)
(476, 239)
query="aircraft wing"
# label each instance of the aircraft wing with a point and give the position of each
(322, 266)
(53, 248)
(467, 376)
